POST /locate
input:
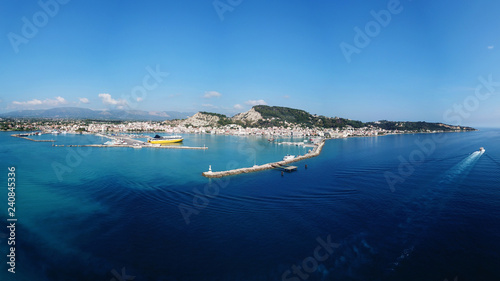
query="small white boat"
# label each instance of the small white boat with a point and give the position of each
(288, 157)
(481, 149)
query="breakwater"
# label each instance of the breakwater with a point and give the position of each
(134, 146)
(315, 152)
(30, 139)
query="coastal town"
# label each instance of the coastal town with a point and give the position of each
(103, 127)
(260, 120)
(170, 127)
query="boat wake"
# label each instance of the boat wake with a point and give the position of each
(428, 206)
(357, 253)
(458, 172)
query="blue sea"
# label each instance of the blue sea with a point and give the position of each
(397, 207)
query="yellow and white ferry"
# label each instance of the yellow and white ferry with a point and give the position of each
(165, 139)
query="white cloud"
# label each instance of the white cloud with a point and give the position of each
(212, 94)
(107, 99)
(255, 102)
(286, 96)
(238, 106)
(209, 105)
(52, 102)
(84, 100)
(491, 47)
(30, 102)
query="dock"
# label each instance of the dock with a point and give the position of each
(127, 141)
(133, 146)
(30, 139)
(286, 168)
(283, 165)
(303, 144)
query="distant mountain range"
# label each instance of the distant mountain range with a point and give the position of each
(85, 113)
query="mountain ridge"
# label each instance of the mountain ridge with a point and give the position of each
(269, 116)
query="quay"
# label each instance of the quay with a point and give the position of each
(30, 139)
(296, 144)
(275, 165)
(286, 168)
(134, 146)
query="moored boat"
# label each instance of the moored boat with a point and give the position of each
(165, 139)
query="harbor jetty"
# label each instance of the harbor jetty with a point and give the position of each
(303, 144)
(133, 146)
(275, 165)
(30, 139)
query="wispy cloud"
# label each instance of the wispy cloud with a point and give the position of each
(255, 102)
(238, 106)
(30, 102)
(286, 96)
(212, 94)
(490, 47)
(84, 100)
(35, 102)
(108, 100)
(209, 105)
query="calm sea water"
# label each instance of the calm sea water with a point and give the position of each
(114, 213)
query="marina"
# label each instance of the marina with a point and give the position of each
(119, 141)
(171, 142)
(281, 165)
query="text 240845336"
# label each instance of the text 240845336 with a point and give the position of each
(11, 221)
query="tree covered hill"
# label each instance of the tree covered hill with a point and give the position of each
(269, 116)
(277, 115)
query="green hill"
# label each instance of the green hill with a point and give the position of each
(269, 116)
(415, 126)
(277, 115)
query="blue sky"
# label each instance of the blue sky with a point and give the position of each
(422, 64)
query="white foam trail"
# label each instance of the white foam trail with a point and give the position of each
(453, 175)
(462, 169)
